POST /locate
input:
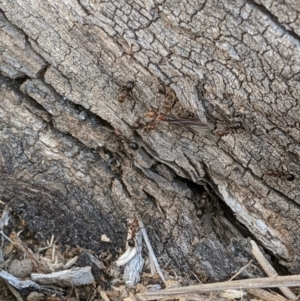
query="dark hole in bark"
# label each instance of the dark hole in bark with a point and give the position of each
(22, 79)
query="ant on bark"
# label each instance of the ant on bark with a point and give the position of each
(146, 125)
(170, 97)
(230, 129)
(132, 248)
(279, 174)
(152, 117)
(134, 228)
(125, 91)
(132, 144)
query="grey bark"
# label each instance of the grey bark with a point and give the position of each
(64, 170)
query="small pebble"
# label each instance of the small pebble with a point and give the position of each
(20, 268)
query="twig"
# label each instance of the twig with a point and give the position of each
(6, 237)
(270, 271)
(166, 265)
(197, 277)
(241, 270)
(237, 284)
(263, 294)
(17, 283)
(70, 263)
(23, 284)
(151, 252)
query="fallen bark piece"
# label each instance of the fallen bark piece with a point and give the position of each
(134, 267)
(264, 295)
(17, 283)
(293, 280)
(67, 278)
(87, 259)
(24, 284)
(270, 271)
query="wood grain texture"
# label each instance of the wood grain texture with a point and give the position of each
(63, 169)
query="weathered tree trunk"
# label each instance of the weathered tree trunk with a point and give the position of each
(63, 169)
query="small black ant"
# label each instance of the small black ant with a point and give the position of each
(161, 89)
(132, 144)
(236, 126)
(131, 242)
(126, 90)
(274, 173)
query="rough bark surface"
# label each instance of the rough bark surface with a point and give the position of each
(64, 170)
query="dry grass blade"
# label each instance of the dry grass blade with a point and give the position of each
(151, 252)
(194, 297)
(264, 295)
(219, 286)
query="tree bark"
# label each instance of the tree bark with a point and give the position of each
(63, 169)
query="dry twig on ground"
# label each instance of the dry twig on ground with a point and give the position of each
(219, 286)
(270, 271)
